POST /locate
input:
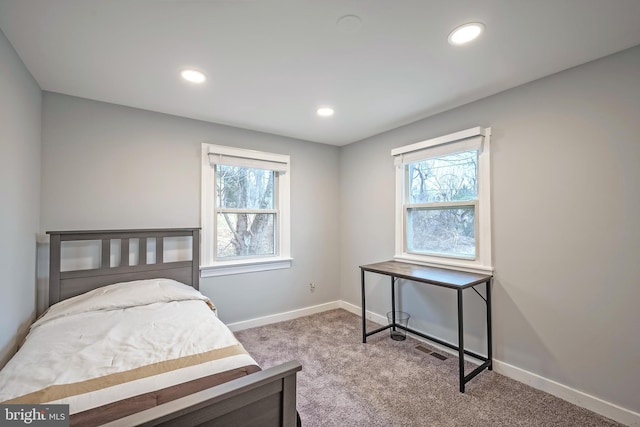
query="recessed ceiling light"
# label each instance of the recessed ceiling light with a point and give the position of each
(193, 76)
(325, 111)
(465, 33)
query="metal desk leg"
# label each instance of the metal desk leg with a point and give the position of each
(393, 302)
(364, 310)
(489, 336)
(460, 341)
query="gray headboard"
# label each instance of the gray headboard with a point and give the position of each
(66, 284)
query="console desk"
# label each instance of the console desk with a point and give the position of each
(453, 279)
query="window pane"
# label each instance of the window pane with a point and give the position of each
(444, 179)
(241, 234)
(238, 187)
(443, 231)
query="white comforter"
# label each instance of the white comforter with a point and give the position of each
(153, 333)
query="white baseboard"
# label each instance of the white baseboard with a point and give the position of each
(281, 317)
(579, 398)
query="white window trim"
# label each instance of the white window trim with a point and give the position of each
(457, 141)
(209, 267)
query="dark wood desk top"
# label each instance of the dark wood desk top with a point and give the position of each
(434, 276)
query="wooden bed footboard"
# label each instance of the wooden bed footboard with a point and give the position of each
(262, 399)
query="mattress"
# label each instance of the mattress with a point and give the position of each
(121, 349)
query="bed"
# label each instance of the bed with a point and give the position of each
(133, 342)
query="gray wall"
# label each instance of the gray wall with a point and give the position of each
(566, 235)
(108, 166)
(20, 110)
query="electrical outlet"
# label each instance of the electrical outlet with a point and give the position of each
(312, 287)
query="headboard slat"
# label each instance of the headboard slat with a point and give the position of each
(77, 286)
(63, 285)
(159, 250)
(142, 251)
(121, 234)
(105, 259)
(124, 269)
(195, 268)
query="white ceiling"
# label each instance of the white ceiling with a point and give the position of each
(272, 63)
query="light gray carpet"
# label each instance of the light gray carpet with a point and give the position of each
(390, 383)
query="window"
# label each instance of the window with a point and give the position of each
(245, 211)
(443, 215)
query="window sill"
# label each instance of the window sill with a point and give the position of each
(451, 264)
(240, 267)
